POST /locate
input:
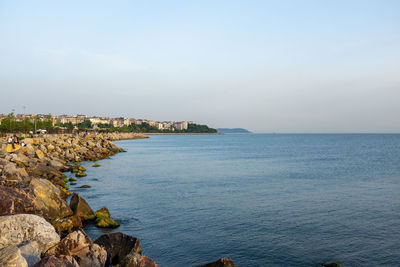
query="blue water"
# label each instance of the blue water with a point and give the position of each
(260, 199)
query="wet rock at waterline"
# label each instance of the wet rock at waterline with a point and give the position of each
(80, 207)
(223, 262)
(120, 245)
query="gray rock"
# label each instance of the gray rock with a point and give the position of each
(22, 228)
(31, 252)
(11, 173)
(92, 256)
(11, 257)
(131, 260)
(56, 164)
(20, 159)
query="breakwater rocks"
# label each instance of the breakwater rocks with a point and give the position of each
(38, 227)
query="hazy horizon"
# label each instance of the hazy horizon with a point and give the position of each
(266, 66)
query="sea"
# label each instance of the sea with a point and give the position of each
(260, 199)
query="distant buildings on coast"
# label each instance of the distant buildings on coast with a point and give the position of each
(95, 121)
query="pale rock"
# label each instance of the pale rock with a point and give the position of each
(22, 228)
(11, 173)
(56, 164)
(11, 257)
(20, 159)
(31, 252)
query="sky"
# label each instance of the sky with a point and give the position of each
(268, 66)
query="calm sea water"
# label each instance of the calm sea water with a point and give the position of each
(261, 199)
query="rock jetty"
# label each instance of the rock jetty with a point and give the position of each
(38, 227)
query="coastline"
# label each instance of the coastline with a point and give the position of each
(34, 191)
(183, 133)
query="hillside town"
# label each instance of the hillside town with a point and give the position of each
(99, 121)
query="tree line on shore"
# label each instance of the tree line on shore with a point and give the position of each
(10, 124)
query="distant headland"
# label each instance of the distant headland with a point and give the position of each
(233, 130)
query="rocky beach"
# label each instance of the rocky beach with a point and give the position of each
(41, 221)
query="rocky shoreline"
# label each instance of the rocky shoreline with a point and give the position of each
(38, 227)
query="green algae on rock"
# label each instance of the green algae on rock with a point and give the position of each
(80, 174)
(103, 212)
(96, 165)
(72, 179)
(103, 219)
(106, 222)
(85, 186)
(62, 224)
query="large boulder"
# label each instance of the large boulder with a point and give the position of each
(56, 164)
(22, 198)
(223, 262)
(92, 256)
(78, 245)
(60, 261)
(28, 150)
(71, 244)
(130, 260)
(20, 159)
(48, 199)
(11, 257)
(24, 175)
(11, 173)
(80, 207)
(147, 262)
(23, 228)
(7, 207)
(42, 169)
(120, 245)
(137, 260)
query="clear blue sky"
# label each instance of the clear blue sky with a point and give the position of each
(269, 66)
